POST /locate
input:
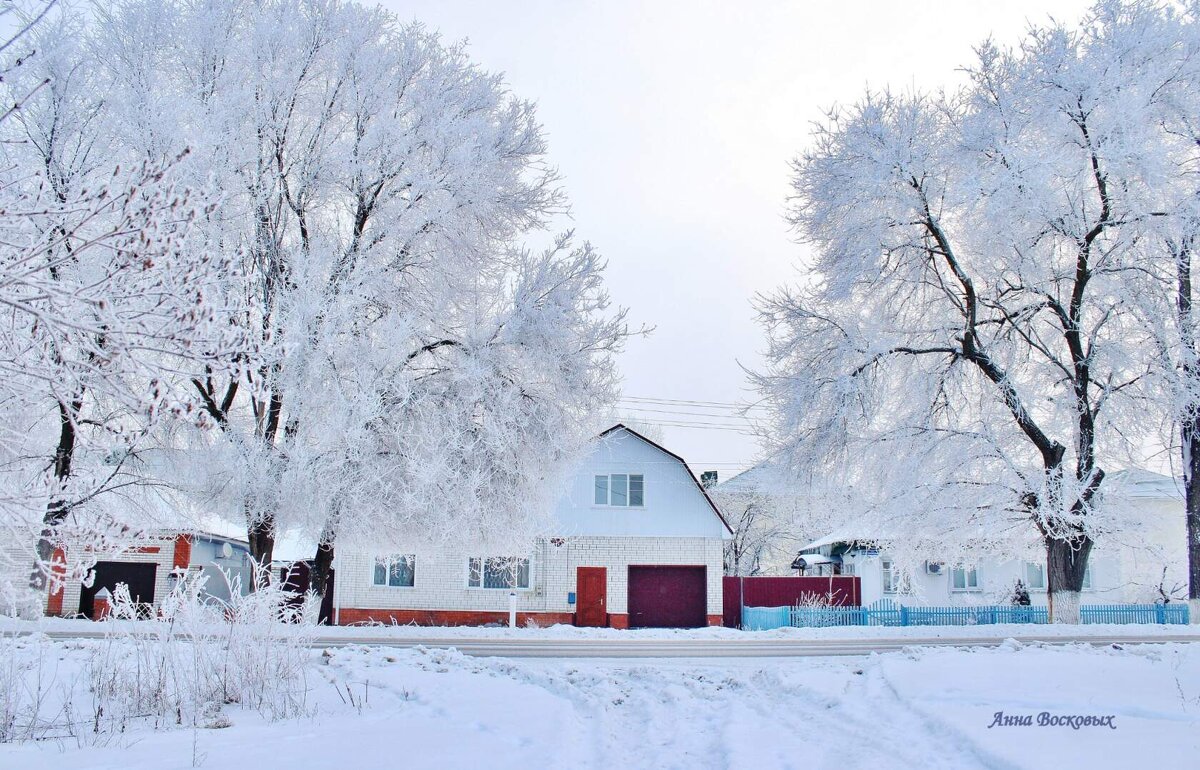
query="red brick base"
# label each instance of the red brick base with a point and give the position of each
(182, 557)
(349, 616)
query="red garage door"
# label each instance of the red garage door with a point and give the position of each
(667, 597)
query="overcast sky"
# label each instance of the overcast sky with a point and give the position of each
(672, 124)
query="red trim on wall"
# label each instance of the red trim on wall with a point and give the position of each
(618, 621)
(144, 549)
(349, 616)
(716, 620)
(58, 576)
(183, 552)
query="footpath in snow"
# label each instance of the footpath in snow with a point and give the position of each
(371, 706)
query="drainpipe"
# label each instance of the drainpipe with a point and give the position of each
(512, 609)
(337, 585)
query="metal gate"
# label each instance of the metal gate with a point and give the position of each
(668, 596)
(139, 576)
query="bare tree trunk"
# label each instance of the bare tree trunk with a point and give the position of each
(1066, 565)
(322, 565)
(1191, 486)
(261, 525)
(1067, 554)
(1189, 422)
(57, 509)
(261, 531)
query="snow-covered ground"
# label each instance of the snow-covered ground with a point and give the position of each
(931, 708)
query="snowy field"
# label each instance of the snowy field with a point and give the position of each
(929, 708)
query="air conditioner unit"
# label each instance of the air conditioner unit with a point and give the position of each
(935, 567)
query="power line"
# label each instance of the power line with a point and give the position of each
(689, 402)
(691, 414)
(699, 426)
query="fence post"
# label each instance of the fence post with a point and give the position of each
(1160, 612)
(903, 615)
(742, 601)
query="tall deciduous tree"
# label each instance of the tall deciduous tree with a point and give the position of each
(104, 292)
(1167, 41)
(416, 373)
(977, 266)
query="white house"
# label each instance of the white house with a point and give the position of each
(637, 543)
(1135, 565)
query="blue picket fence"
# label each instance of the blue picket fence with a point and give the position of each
(888, 613)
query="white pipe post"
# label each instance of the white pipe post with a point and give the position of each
(512, 609)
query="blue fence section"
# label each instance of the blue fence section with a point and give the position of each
(888, 613)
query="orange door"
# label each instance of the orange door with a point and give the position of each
(591, 601)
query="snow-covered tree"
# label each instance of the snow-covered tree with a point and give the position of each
(977, 292)
(417, 373)
(1169, 41)
(771, 517)
(105, 297)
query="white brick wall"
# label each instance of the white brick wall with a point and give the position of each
(441, 576)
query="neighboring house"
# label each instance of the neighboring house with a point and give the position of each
(637, 543)
(946, 581)
(151, 569)
(1153, 553)
(1124, 567)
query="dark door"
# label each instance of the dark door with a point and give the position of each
(668, 597)
(591, 601)
(139, 577)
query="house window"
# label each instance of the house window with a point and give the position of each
(1035, 576)
(964, 579)
(497, 572)
(602, 490)
(622, 490)
(395, 571)
(891, 577)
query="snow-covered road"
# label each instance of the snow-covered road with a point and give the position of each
(927, 708)
(569, 642)
(726, 648)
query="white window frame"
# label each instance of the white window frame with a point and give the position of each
(895, 581)
(966, 570)
(483, 560)
(388, 560)
(608, 489)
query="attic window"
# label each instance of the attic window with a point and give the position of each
(620, 490)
